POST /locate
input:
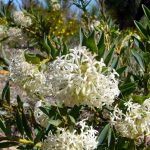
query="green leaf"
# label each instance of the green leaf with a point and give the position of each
(146, 57)
(109, 56)
(46, 47)
(121, 70)
(139, 44)
(39, 136)
(27, 129)
(101, 46)
(65, 49)
(44, 110)
(7, 144)
(141, 28)
(146, 11)
(115, 62)
(138, 59)
(103, 134)
(20, 103)
(53, 50)
(6, 93)
(72, 119)
(31, 58)
(2, 126)
(19, 122)
(90, 42)
(109, 136)
(55, 122)
(127, 88)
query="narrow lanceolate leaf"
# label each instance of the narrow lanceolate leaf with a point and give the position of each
(141, 28)
(20, 103)
(6, 93)
(121, 70)
(53, 49)
(27, 129)
(146, 11)
(139, 44)
(90, 42)
(138, 58)
(109, 56)
(55, 122)
(39, 135)
(2, 126)
(7, 144)
(19, 122)
(115, 62)
(127, 88)
(101, 46)
(109, 136)
(103, 135)
(65, 49)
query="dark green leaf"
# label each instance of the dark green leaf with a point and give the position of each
(39, 136)
(7, 144)
(146, 57)
(65, 49)
(139, 44)
(2, 126)
(121, 70)
(27, 129)
(6, 93)
(101, 46)
(44, 110)
(146, 11)
(109, 56)
(20, 103)
(127, 88)
(90, 42)
(138, 58)
(19, 122)
(141, 28)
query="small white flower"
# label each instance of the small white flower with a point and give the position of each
(135, 122)
(77, 79)
(67, 140)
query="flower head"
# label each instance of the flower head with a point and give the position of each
(28, 75)
(135, 123)
(21, 19)
(67, 140)
(78, 79)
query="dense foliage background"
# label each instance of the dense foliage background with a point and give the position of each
(75, 74)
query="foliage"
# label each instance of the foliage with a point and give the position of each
(97, 91)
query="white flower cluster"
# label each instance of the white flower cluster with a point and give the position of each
(78, 79)
(135, 123)
(66, 140)
(28, 75)
(74, 79)
(14, 34)
(21, 19)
